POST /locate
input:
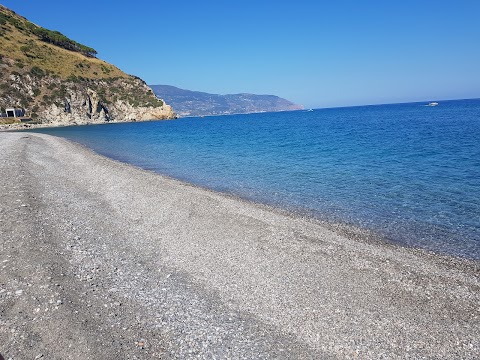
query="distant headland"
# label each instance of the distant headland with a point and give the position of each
(196, 103)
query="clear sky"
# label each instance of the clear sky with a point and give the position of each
(312, 52)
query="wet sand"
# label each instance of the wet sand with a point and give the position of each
(100, 259)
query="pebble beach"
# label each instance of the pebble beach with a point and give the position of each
(103, 260)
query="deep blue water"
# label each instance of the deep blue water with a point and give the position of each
(407, 171)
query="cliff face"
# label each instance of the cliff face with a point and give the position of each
(54, 101)
(60, 82)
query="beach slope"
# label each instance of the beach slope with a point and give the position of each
(102, 260)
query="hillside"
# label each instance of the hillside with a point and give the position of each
(196, 103)
(59, 81)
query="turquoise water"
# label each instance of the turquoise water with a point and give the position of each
(407, 171)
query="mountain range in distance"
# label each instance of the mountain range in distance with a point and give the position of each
(197, 103)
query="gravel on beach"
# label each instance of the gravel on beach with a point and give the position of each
(102, 260)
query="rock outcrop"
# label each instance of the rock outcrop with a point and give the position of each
(62, 83)
(59, 102)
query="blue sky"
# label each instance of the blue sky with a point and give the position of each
(315, 53)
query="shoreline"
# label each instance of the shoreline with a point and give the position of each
(348, 229)
(27, 126)
(345, 229)
(273, 284)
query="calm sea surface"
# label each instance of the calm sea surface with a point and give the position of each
(407, 171)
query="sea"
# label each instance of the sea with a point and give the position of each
(407, 172)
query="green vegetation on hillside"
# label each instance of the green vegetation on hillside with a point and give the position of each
(40, 68)
(24, 46)
(49, 36)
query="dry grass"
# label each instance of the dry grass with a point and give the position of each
(28, 51)
(56, 71)
(6, 121)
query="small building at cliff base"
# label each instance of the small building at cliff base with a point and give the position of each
(13, 112)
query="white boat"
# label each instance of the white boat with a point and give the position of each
(432, 104)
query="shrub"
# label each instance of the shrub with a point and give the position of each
(36, 71)
(25, 101)
(4, 18)
(105, 69)
(26, 48)
(57, 38)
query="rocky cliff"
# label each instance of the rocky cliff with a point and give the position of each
(60, 82)
(67, 102)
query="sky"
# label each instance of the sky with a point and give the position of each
(314, 53)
